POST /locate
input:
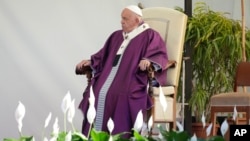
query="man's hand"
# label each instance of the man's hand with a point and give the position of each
(144, 64)
(83, 63)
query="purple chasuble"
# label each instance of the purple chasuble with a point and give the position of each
(127, 94)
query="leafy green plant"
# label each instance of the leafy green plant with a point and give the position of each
(183, 136)
(216, 41)
(68, 109)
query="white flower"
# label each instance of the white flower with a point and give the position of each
(144, 129)
(45, 139)
(91, 111)
(203, 120)
(193, 138)
(235, 113)
(150, 123)
(55, 128)
(180, 127)
(224, 127)
(91, 114)
(66, 102)
(47, 120)
(110, 125)
(139, 121)
(71, 112)
(19, 114)
(209, 128)
(53, 139)
(91, 97)
(163, 100)
(160, 136)
(110, 138)
(68, 136)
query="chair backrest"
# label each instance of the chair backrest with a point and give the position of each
(242, 76)
(171, 24)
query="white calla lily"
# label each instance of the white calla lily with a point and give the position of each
(203, 120)
(160, 136)
(163, 100)
(71, 111)
(110, 138)
(47, 120)
(193, 138)
(53, 139)
(65, 106)
(139, 121)
(209, 129)
(150, 123)
(19, 115)
(110, 125)
(55, 128)
(46, 125)
(180, 127)
(68, 136)
(235, 114)
(224, 127)
(71, 114)
(91, 97)
(20, 125)
(66, 102)
(144, 129)
(91, 114)
(45, 139)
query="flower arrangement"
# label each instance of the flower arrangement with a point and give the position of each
(141, 130)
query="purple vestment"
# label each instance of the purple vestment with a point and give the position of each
(127, 94)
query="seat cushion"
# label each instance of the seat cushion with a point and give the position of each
(167, 90)
(231, 99)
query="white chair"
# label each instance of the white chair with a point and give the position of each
(171, 24)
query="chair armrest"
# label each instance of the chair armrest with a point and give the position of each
(150, 69)
(86, 70)
(170, 64)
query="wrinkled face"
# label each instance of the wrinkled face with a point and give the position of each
(129, 20)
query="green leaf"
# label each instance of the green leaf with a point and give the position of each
(99, 135)
(20, 139)
(76, 136)
(10, 139)
(138, 137)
